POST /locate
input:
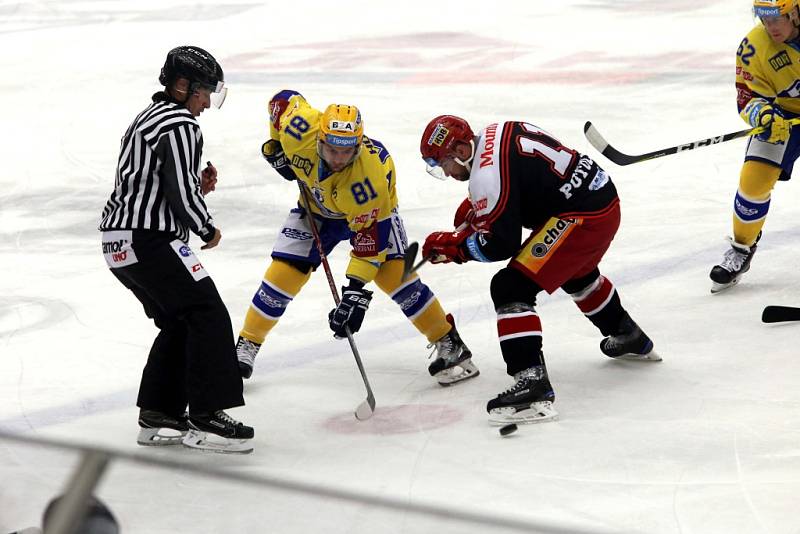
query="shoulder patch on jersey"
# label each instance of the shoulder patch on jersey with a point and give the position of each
(376, 147)
(304, 164)
(780, 60)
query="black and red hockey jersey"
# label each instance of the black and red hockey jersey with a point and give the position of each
(521, 177)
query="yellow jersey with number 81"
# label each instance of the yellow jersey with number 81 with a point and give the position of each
(363, 193)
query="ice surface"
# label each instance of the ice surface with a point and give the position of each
(706, 441)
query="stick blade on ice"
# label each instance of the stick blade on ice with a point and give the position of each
(366, 409)
(779, 314)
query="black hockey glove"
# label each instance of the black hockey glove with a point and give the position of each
(350, 311)
(273, 153)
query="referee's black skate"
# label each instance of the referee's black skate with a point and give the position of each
(631, 343)
(246, 351)
(453, 361)
(734, 264)
(218, 432)
(159, 429)
(529, 400)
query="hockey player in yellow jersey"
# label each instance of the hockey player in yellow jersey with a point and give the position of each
(351, 180)
(768, 91)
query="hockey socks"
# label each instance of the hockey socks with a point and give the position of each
(281, 284)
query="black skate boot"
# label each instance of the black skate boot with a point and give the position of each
(453, 361)
(530, 400)
(160, 429)
(218, 432)
(246, 351)
(630, 343)
(735, 263)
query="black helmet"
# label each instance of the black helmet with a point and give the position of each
(192, 63)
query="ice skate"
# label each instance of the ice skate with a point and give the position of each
(218, 432)
(630, 344)
(735, 263)
(246, 351)
(529, 400)
(159, 429)
(453, 361)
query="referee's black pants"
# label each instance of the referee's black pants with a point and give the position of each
(193, 358)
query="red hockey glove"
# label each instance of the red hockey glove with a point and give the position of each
(444, 247)
(464, 214)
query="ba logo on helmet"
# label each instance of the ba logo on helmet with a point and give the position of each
(342, 126)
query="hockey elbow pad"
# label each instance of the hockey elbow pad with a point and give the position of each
(276, 157)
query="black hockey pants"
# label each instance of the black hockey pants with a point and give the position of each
(193, 358)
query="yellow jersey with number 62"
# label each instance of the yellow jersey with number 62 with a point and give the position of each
(768, 70)
(363, 193)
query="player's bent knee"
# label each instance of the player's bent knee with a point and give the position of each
(509, 285)
(757, 179)
(577, 285)
(390, 274)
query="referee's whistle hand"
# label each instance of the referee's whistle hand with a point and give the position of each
(208, 179)
(214, 240)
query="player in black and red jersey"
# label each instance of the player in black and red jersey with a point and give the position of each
(522, 177)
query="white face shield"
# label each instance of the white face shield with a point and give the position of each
(434, 169)
(218, 95)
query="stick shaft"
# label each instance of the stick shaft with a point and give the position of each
(361, 412)
(604, 147)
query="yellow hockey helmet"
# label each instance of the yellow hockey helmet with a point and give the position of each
(775, 8)
(341, 125)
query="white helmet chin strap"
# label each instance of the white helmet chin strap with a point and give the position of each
(468, 164)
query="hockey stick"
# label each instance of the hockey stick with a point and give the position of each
(367, 408)
(411, 254)
(615, 156)
(779, 314)
(409, 257)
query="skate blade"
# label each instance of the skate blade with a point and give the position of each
(207, 441)
(463, 371)
(159, 437)
(651, 356)
(539, 412)
(717, 287)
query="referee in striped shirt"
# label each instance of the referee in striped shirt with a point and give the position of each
(158, 199)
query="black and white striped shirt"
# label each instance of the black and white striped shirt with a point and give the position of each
(157, 184)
